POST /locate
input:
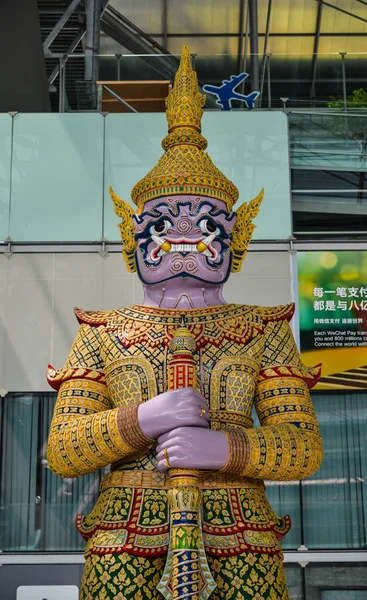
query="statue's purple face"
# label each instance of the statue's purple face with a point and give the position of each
(184, 236)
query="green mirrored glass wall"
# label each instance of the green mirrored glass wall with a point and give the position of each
(38, 509)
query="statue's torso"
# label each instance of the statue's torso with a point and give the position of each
(134, 353)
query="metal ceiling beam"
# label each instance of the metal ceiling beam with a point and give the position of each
(261, 34)
(266, 56)
(342, 10)
(164, 21)
(245, 48)
(316, 47)
(241, 30)
(93, 10)
(60, 24)
(254, 44)
(267, 29)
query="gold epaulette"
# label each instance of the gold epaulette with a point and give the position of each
(275, 313)
(55, 377)
(94, 317)
(310, 375)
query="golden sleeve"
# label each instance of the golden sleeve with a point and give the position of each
(288, 444)
(86, 432)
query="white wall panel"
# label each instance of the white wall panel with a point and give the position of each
(27, 321)
(38, 293)
(264, 279)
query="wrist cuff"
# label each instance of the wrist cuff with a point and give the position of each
(238, 451)
(129, 429)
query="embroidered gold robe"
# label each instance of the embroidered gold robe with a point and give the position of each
(246, 358)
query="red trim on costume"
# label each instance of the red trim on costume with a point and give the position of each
(277, 313)
(133, 530)
(56, 377)
(309, 375)
(90, 317)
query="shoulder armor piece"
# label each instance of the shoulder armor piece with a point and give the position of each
(275, 313)
(95, 318)
(55, 377)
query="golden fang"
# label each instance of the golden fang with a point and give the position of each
(201, 247)
(166, 246)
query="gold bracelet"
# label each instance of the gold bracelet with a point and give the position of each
(238, 451)
(129, 429)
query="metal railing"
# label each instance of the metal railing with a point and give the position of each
(214, 68)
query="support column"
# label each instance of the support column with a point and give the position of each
(92, 44)
(254, 45)
(24, 86)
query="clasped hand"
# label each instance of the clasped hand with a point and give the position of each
(179, 420)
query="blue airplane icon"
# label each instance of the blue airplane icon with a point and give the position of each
(225, 93)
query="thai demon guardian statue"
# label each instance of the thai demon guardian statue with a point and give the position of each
(164, 393)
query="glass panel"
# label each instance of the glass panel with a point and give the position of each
(291, 47)
(203, 16)
(334, 514)
(334, 141)
(335, 21)
(284, 497)
(294, 578)
(347, 594)
(336, 44)
(202, 46)
(132, 148)
(250, 148)
(336, 582)
(329, 200)
(145, 14)
(76, 89)
(57, 177)
(151, 67)
(38, 508)
(213, 69)
(289, 76)
(297, 16)
(108, 68)
(5, 161)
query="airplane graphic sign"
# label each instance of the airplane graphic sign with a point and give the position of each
(226, 92)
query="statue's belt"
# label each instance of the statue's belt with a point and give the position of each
(153, 479)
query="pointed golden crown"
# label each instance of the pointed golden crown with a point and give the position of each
(184, 168)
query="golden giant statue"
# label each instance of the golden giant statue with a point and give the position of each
(164, 392)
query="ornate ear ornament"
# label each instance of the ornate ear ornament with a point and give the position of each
(243, 230)
(127, 231)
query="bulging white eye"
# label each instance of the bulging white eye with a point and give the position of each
(207, 226)
(160, 228)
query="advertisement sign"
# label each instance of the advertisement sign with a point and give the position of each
(332, 289)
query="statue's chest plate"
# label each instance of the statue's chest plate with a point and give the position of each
(232, 372)
(227, 368)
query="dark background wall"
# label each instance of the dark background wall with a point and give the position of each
(23, 81)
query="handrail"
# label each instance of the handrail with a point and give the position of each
(103, 86)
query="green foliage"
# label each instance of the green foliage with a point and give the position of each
(351, 126)
(358, 99)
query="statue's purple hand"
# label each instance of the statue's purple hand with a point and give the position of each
(170, 410)
(192, 448)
